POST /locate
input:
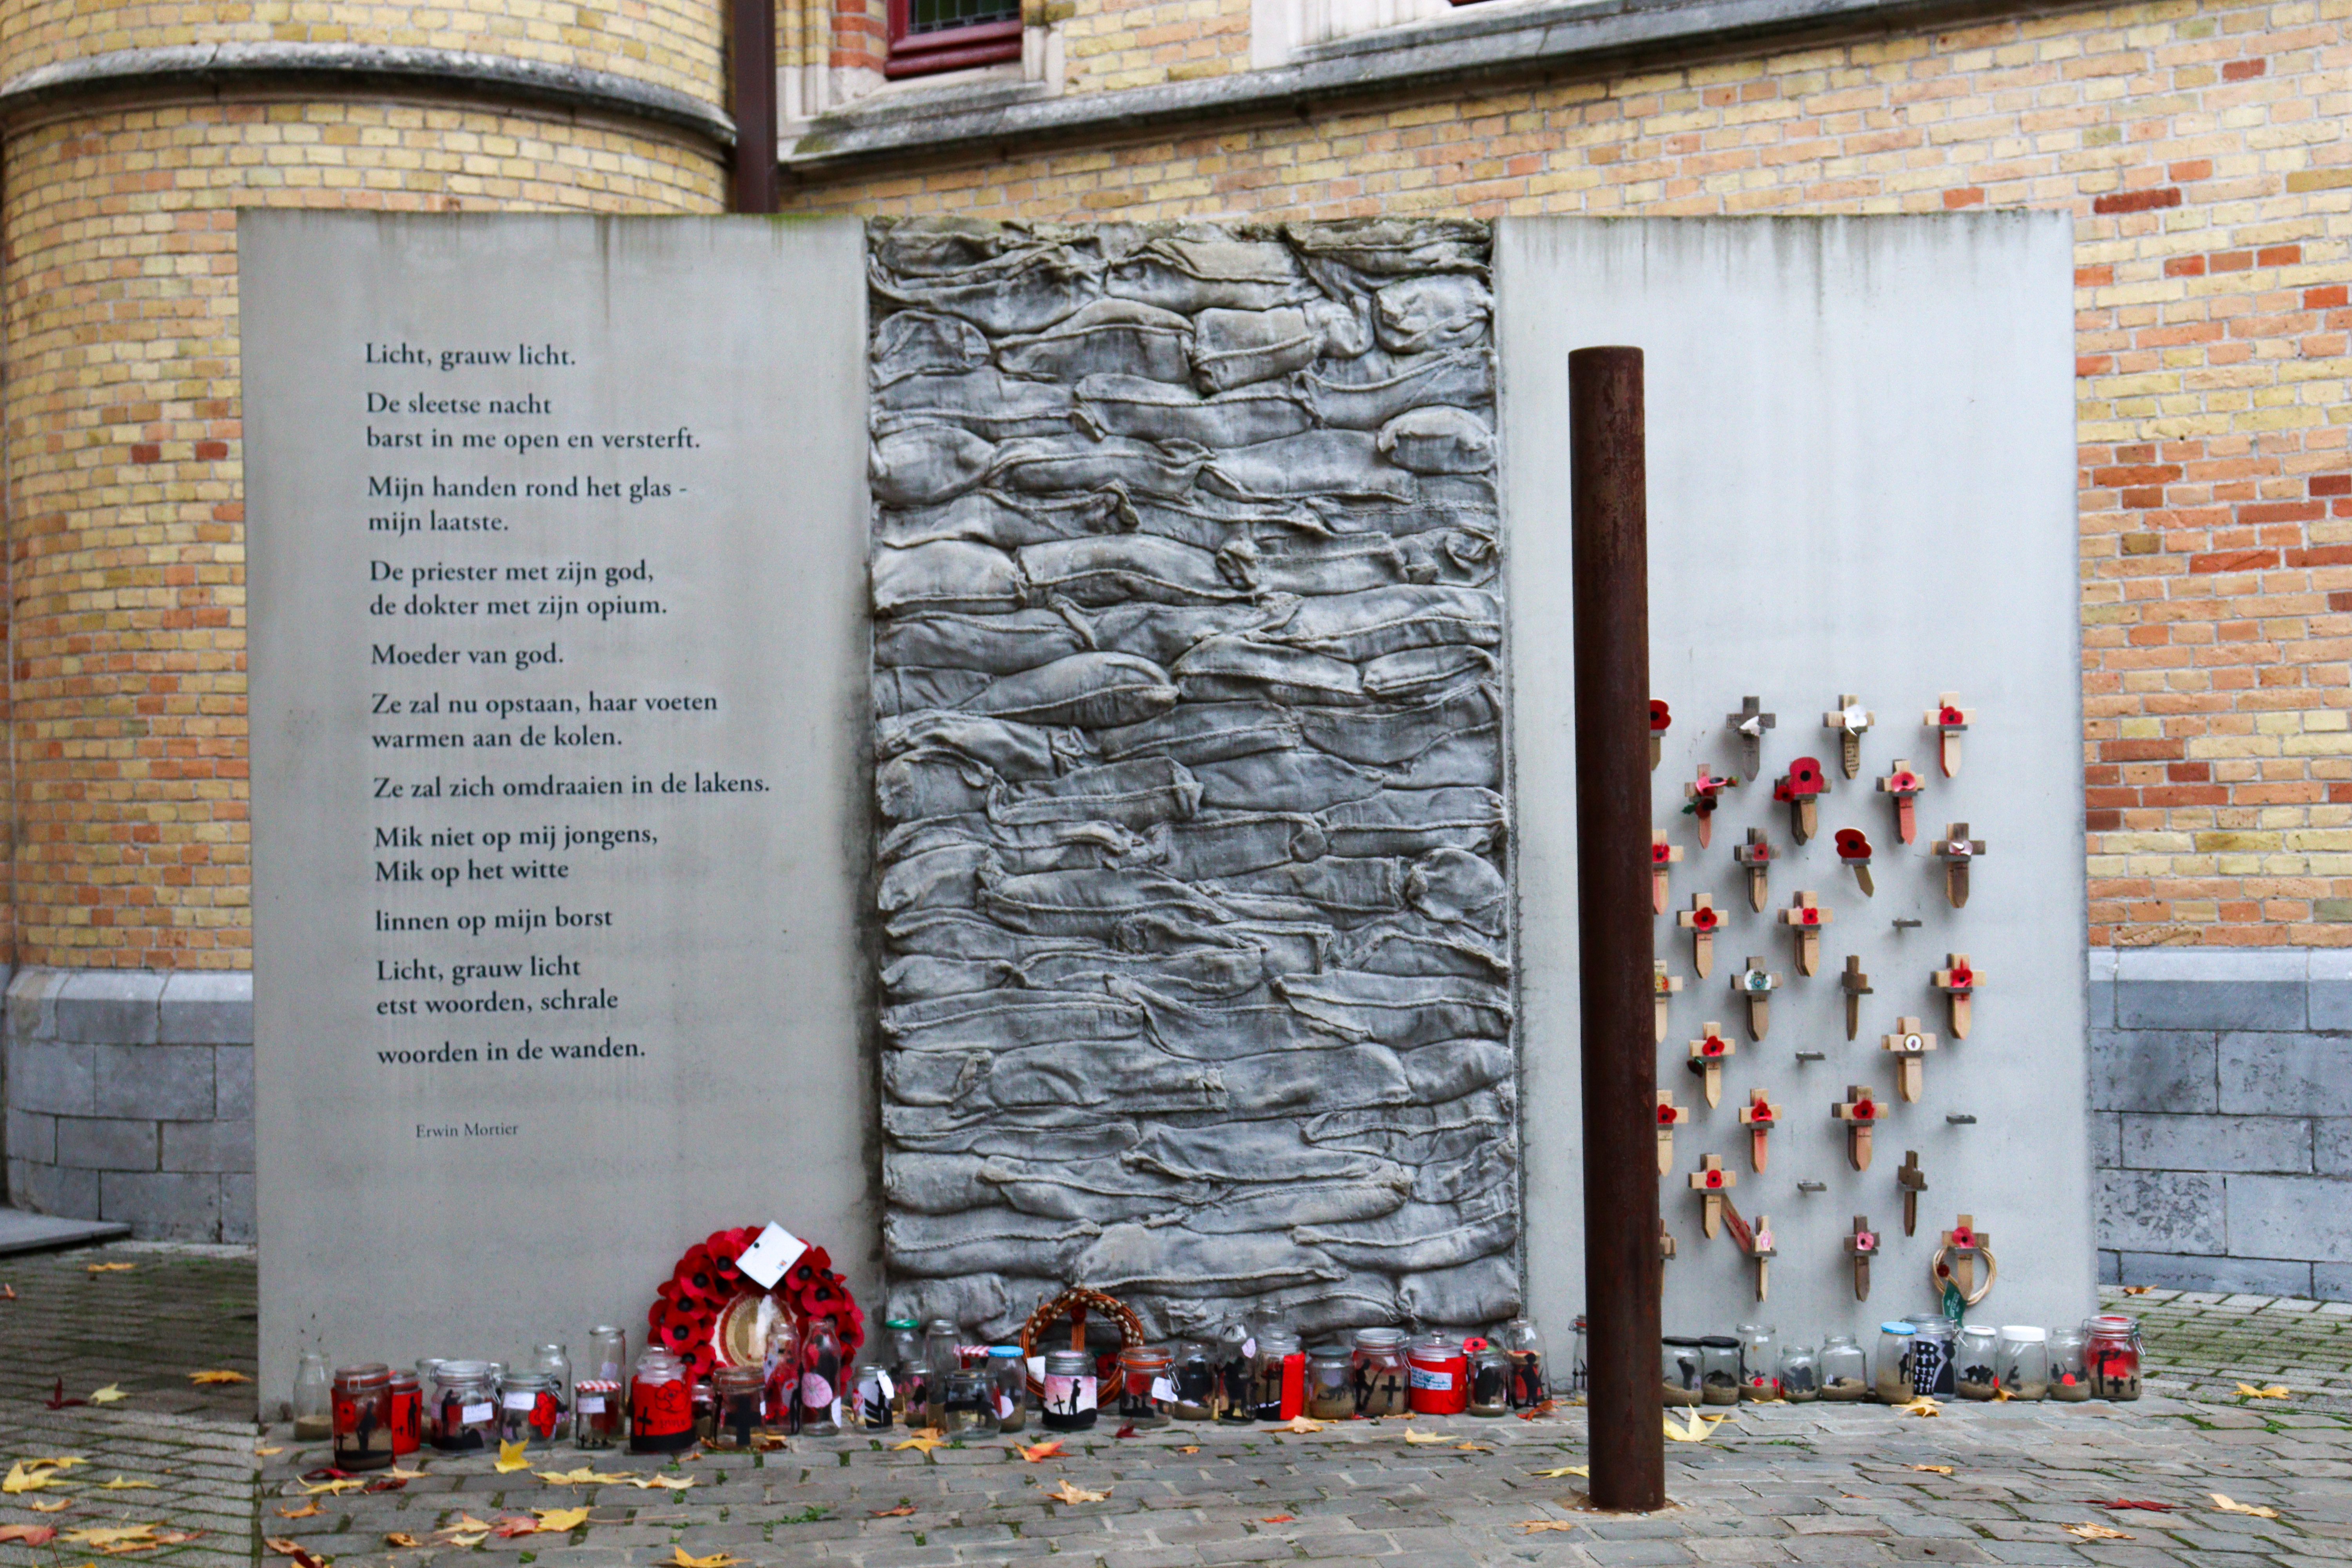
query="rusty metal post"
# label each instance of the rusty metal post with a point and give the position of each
(1623, 1271)
(751, 62)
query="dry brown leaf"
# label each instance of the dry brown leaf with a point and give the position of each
(2137, 1289)
(900, 1512)
(1066, 1492)
(1532, 1525)
(1931, 1469)
(559, 1519)
(582, 1477)
(468, 1539)
(924, 1442)
(1474, 1447)
(57, 1506)
(1585, 1470)
(401, 1538)
(1921, 1407)
(512, 1525)
(1032, 1453)
(109, 1534)
(219, 1375)
(681, 1557)
(8, 1292)
(1190, 1448)
(28, 1534)
(2089, 1531)
(308, 1510)
(2228, 1506)
(2268, 1391)
(767, 1442)
(175, 1537)
(1280, 1518)
(1300, 1424)
(112, 1267)
(123, 1484)
(266, 1453)
(661, 1483)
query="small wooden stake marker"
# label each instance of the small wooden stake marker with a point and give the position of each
(1803, 787)
(1665, 1242)
(1663, 857)
(1757, 856)
(1669, 1116)
(1853, 854)
(1755, 1241)
(1706, 1054)
(1859, 1111)
(1750, 724)
(1957, 982)
(1702, 795)
(1958, 849)
(1856, 985)
(1662, 987)
(1947, 719)
(1702, 919)
(1910, 1045)
(1913, 1180)
(1660, 717)
(1862, 1246)
(1962, 1245)
(1753, 983)
(1847, 722)
(1710, 1182)
(1902, 783)
(1759, 1116)
(1806, 918)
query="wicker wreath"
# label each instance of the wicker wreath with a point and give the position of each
(1073, 1304)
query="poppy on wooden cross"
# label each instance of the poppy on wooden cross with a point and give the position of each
(1759, 1116)
(1706, 1054)
(1662, 987)
(1947, 719)
(1757, 856)
(1660, 718)
(1859, 1111)
(1750, 724)
(1957, 849)
(1702, 919)
(1663, 857)
(1803, 787)
(1958, 984)
(1853, 854)
(1755, 1240)
(1902, 783)
(1757, 987)
(1806, 917)
(1669, 1116)
(1862, 1246)
(1702, 795)
(1711, 1181)
(1847, 720)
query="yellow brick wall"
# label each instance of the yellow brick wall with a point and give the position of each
(2201, 147)
(119, 390)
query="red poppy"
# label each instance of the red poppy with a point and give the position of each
(1950, 716)
(1712, 1045)
(1668, 1116)
(1781, 790)
(1963, 1238)
(1863, 1110)
(1962, 978)
(1760, 1116)
(1660, 714)
(1704, 918)
(1805, 776)
(1852, 844)
(1903, 783)
(1808, 916)
(1660, 854)
(1714, 1178)
(1865, 1241)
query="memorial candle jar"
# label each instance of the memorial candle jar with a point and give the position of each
(1069, 1392)
(2111, 1350)
(1846, 1370)
(821, 1358)
(870, 1397)
(1196, 1382)
(1759, 1358)
(1146, 1393)
(1974, 1373)
(1235, 1360)
(1680, 1371)
(2022, 1360)
(1530, 1378)
(1490, 1381)
(942, 1358)
(908, 1368)
(312, 1405)
(555, 1359)
(1279, 1381)
(465, 1406)
(740, 1397)
(1439, 1372)
(596, 1412)
(362, 1417)
(1801, 1374)
(1931, 1353)
(1008, 1384)
(429, 1425)
(530, 1410)
(966, 1409)
(661, 1405)
(1719, 1380)
(407, 1414)
(782, 1360)
(1379, 1372)
(1330, 1375)
(2069, 1378)
(1895, 1342)
(608, 1354)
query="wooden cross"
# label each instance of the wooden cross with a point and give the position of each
(1662, 856)
(1947, 719)
(1759, 1116)
(1706, 1054)
(1702, 796)
(1669, 1116)
(1913, 1180)
(1859, 1111)
(1756, 1241)
(1959, 982)
(1806, 918)
(1757, 856)
(1702, 919)
(1862, 1246)
(1958, 849)
(1963, 1242)
(1750, 724)
(1711, 1181)
(1902, 783)
(1756, 986)
(1856, 985)
(1847, 722)
(1803, 787)
(1662, 987)
(1853, 854)
(1660, 717)
(1910, 1045)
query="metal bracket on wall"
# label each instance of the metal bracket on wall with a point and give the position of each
(1958, 1120)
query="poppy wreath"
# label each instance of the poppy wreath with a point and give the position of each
(686, 1308)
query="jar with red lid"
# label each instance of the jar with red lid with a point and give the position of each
(407, 1414)
(2111, 1352)
(363, 1416)
(1147, 1394)
(596, 1412)
(1439, 1371)
(661, 1405)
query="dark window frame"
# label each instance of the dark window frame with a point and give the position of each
(950, 48)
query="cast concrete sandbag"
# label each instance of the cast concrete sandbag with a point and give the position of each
(930, 784)
(1190, 275)
(968, 1301)
(1305, 782)
(1452, 1068)
(1401, 1011)
(1367, 393)
(1041, 463)
(1272, 1083)
(1422, 1135)
(1062, 1133)
(1110, 337)
(947, 575)
(1423, 313)
(1165, 632)
(1387, 735)
(1218, 1030)
(1169, 411)
(1101, 1191)
(1379, 621)
(953, 932)
(1010, 1018)
(997, 1240)
(1235, 348)
(1269, 1205)
(1089, 903)
(1472, 758)
(1324, 463)
(944, 246)
(1197, 732)
(1110, 569)
(1427, 671)
(1243, 670)
(936, 879)
(1438, 441)
(1201, 974)
(1213, 522)
(1337, 891)
(1022, 293)
(1492, 1176)
(1168, 1262)
(1414, 821)
(985, 401)
(1477, 1293)
(1455, 885)
(1092, 690)
(923, 464)
(939, 1184)
(1017, 752)
(1230, 843)
(1336, 566)
(1406, 947)
(1395, 247)
(899, 693)
(918, 978)
(919, 342)
(1414, 1236)
(1250, 1152)
(1135, 794)
(1008, 521)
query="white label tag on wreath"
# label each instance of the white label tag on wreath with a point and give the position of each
(766, 1260)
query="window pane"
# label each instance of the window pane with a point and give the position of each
(939, 16)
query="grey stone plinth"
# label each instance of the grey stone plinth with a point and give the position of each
(2162, 1211)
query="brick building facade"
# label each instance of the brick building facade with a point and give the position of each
(2199, 144)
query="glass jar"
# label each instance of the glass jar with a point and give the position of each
(530, 1411)
(1845, 1371)
(1278, 1376)
(1146, 1392)
(2070, 1375)
(705, 1412)
(2022, 1360)
(1235, 1360)
(781, 1359)
(312, 1405)
(1530, 1378)
(1679, 1369)
(969, 1406)
(869, 1399)
(556, 1362)
(739, 1394)
(1577, 1376)
(1894, 1362)
(1975, 1370)
(608, 1354)
(1801, 1374)
(941, 1357)
(1490, 1381)
(821, 1380)
(1196, 1382)
(1719, 1378)
(596, 1412)
(407, 1414)
(905, 1337)
(1069, 1405)
(363, 1416)
(1760, 1357)
(2111, 1350)
(1379, 1372)
(1008, 1387)
(1438, 1369)
(428, 1423)
(661, 1405)
(464, 1406)
(1330, 1378)
(1932, 1343)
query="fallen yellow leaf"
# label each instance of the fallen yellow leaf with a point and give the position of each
(583, 1476)
(20, 1479)
(219, 1375)
(1190, 1448)
(1032, 1453)
(1931, 1469)
(401, 1538)
(2268, 1391)
(121, 1485)
(109, 1534)
(2098, 1533)
(266, 1453)
(513, 1456)
(334, 1487)
(1697, 1429)
(62, 1462)
(112, 1267)
(1300, 1424)
(57, 1506)
(1566, 1470)
(397, 1474)
(175, 1537)
(900, 1512)
(1066, 1492)
(468, 1539)
(109, 1394)
(1474, 1447)
(2227, 1506)
(308, 1510)
(561, 1519)
(1922, 1406)
(924, 1442)
(681, 1557)
(661, 1483)
(1532, 1525)
(1412, 1437)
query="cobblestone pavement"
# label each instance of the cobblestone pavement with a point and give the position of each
(2203, 1346)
